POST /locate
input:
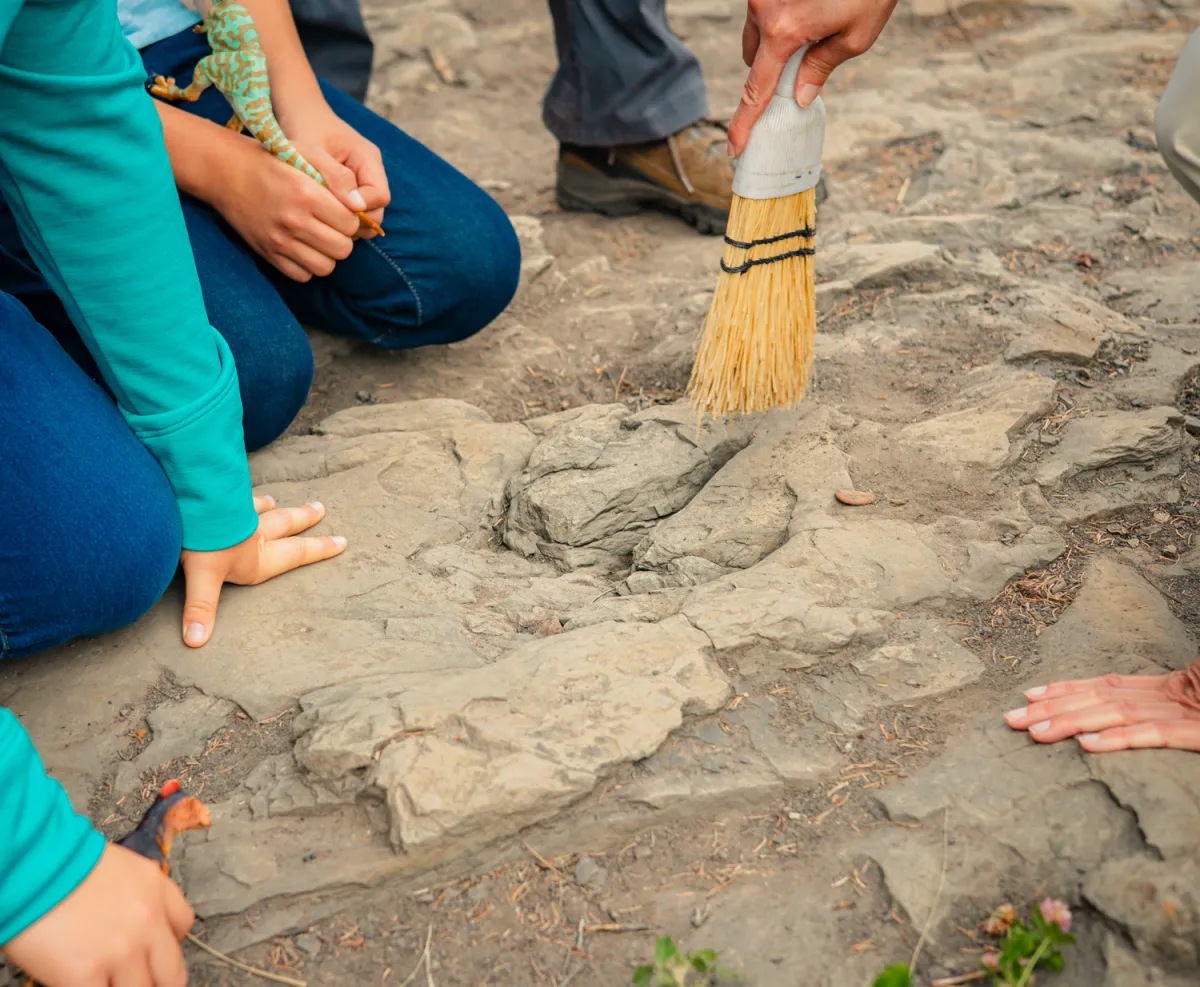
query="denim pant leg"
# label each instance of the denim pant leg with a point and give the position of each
(448, 265)
(91, 529)
(623, 77)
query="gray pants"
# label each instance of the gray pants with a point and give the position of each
(1177, 122)
(623, 76)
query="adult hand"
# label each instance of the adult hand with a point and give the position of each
(1116, 712)
(120, 928)
(350, 163)
(270, 551)
(838, 30)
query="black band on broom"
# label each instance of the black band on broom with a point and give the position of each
(757, 349)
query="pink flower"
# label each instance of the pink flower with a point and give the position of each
(1056, 913)
(990, 960)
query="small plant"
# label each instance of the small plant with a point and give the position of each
(1024, 948)
(894, 976)
(1012, 961)
(672, 968)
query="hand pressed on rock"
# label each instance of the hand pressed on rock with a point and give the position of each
(121, 926)
(271, 551)
(838, 30)
(1116, 712)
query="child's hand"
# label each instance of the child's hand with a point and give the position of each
(271, 551)
(287, 218)
(122, 925)
(350, 163)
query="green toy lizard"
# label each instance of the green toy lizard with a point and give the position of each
(238, 68)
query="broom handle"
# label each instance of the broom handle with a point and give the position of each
(787, 81)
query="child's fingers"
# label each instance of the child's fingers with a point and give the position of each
(370, 176)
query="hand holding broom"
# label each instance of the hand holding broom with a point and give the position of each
(834, 31)
(758, 345)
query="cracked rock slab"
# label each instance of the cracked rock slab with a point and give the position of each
(1061, 325)
(1157, 902)
(489, 751)
(600, 479)
(979, 428)
(1110, 439)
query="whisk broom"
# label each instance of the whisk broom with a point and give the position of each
(757, 349)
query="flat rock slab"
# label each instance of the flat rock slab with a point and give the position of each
(1111, 439)
(978, 429)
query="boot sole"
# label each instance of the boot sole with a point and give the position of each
(619, 198)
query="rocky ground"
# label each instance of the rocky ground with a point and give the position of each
(588, 675)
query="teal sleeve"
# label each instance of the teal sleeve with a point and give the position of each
(85, 170)
(46, 848)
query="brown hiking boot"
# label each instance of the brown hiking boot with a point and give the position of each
(688, 173)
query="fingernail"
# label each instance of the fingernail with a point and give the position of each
(357, 201)
(269, 499)
(1040, 727)
(808, 92)
(1016, 714)
(339, 541)
(193, 633)
(316, 505)
(1037, 690)
(1088, 738)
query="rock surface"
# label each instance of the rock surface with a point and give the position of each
(651, 668)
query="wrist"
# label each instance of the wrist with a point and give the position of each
(228, 166)
(299, 105)
(208, 164)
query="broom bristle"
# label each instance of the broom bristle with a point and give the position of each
(757, 349)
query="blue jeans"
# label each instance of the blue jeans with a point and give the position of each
(92, 534)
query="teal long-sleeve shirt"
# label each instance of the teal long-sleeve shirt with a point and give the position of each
(85, 171)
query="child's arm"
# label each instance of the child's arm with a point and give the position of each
(73, 908)
(46, 849)
(288, 219)
(350, 163)
(82, 166)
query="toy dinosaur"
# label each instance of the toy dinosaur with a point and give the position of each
(238, 68)
(172, 812)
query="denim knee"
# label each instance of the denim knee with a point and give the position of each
(275, 373)
(135, 563)
(476, 275)
(117, 560)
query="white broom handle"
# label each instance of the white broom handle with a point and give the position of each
(787, 81)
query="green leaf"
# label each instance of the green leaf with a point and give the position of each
(703, 960)
(1060, 938)
(642, 975)
(665, 950)
(894, 976)
(1053, 961)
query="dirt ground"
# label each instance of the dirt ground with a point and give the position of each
(598, 339)
(936, 239)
